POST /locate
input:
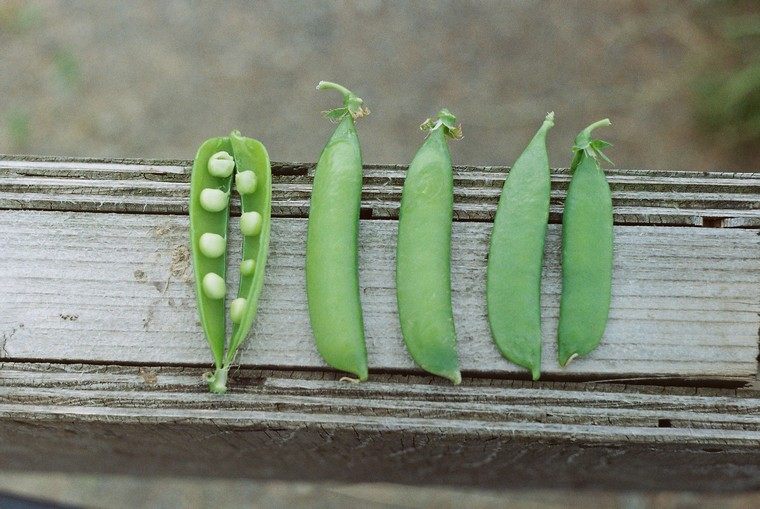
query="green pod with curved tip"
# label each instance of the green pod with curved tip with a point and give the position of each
(515, 256)
(202, 221)
(586, 251)
(423, 255)
(209, 217)
(332, 264)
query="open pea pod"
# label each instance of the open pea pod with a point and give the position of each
(217, 162)
(208, 236)
(253, 180)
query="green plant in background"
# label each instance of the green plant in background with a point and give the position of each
(67, 69)
(728, 98)
(17, 123)
(19, 16)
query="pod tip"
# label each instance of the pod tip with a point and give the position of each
(567, 360)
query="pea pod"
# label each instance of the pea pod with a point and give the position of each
(515, 257)
(215, 163)
(586, 250)
(423, 256)
(332, 265)
(209, 222)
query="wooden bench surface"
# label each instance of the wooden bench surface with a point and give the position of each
(101, 348)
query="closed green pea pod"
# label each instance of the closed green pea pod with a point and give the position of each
(515, 256)
(423, 254)
(586, 251)
(332, 269)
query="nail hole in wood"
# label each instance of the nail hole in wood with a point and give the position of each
(713, 222)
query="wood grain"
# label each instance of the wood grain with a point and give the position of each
(94, 266)
(298, 426)
(639, 196)
(117, 288)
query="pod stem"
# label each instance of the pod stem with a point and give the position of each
(586, 145)
(352, 104)
(217, 382)
(446, 121)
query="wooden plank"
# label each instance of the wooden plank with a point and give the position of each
(158, 420)
(640, 197)
(118, 288)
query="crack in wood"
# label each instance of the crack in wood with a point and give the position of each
(4, 338)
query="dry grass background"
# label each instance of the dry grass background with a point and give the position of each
(153, 79)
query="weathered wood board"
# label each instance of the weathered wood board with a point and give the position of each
(162, 187)
(395, 429)
(94, 269)
(118, 288)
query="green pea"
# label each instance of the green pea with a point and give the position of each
(214, 200)
(212, 245)
(423, 257)
(250, 223)
(247, 267)
(209, 212)
(221, 164)
(332, 271)
(213, 286)
(586, 250)
(245, 182)
(515, 257)
(237, 309)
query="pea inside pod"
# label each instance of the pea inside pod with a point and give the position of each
(423, 253)
(215, 163)
(586, 250)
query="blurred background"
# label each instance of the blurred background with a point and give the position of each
(679, 79)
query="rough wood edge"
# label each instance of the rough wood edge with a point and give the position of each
(187, 163)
